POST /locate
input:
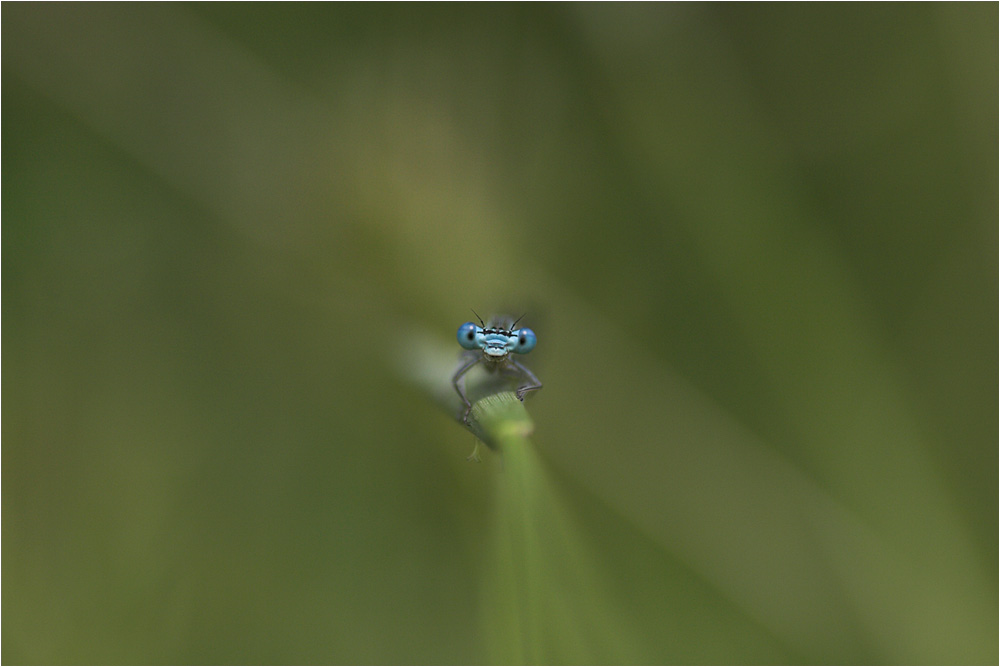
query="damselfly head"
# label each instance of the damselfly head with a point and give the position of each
(496, 340)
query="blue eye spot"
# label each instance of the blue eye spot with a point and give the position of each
(467, 336)
(525, 341)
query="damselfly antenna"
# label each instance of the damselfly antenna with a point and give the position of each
(481, 323)
(514, 324)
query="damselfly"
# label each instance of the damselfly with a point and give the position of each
(492, 347)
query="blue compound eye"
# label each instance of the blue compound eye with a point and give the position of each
(525, 341)
(467, 336)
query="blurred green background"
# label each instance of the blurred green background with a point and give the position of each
(758, 244)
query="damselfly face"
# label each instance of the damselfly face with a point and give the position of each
(496, 342)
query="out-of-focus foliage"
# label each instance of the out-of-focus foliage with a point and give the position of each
(758, 244)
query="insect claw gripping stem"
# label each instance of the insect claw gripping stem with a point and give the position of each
(493, 346)
(462, 370)
(535, 383)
